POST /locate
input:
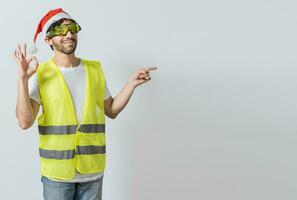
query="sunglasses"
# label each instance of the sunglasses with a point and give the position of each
(62, 30)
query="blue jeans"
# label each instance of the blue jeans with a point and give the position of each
(53, 190)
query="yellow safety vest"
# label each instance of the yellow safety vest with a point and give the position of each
(65, 144)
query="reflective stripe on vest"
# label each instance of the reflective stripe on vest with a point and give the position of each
(69, 154)
(90, 150)
(58, 130)
(92, 128)
(71, 129)
(56, 154)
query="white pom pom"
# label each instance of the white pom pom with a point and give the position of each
(32, 49)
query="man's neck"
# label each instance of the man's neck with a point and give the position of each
(66, 60)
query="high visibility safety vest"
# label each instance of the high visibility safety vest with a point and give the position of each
(65, 144)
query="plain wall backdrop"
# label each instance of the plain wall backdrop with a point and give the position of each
(217, 120)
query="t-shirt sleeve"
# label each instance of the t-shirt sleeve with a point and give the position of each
(33, 88)
(107, 92)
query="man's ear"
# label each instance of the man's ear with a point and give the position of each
(48, 40)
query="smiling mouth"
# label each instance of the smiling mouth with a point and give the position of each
(69, 42)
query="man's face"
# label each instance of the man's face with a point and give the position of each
(65, 44)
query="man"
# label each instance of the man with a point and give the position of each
(74, 99)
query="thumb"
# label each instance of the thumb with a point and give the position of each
(34, 60)
(142, 81)
(34, 66)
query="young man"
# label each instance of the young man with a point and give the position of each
(74, 99)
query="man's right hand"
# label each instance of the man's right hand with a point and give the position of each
(23, 60)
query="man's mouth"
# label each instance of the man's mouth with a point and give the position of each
(68, 41)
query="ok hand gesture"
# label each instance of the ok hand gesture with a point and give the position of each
(23, 60)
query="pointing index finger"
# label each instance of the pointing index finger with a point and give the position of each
(148, 69)
(25, 50)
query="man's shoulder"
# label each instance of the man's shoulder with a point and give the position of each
(46, 62)
(91, 61)
(43, 66)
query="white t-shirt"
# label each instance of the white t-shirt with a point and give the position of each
(75, 79)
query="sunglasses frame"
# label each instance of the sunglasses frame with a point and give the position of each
(65, 29)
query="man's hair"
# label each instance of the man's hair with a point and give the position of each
(57, 23)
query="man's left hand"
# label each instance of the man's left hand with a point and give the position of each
(141, 76)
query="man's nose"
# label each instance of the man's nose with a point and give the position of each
(69, 34)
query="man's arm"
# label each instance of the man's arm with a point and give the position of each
(113, 106)
(26, 108)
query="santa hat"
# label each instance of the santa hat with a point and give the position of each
(47, 20)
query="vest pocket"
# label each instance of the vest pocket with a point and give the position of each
(91, 163)
(58, 168)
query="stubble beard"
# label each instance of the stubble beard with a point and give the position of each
(64, 48)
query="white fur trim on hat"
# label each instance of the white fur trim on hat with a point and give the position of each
(53, 20)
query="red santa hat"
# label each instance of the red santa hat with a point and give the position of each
(47, 20)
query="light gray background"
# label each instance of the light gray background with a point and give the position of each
(218, 119)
